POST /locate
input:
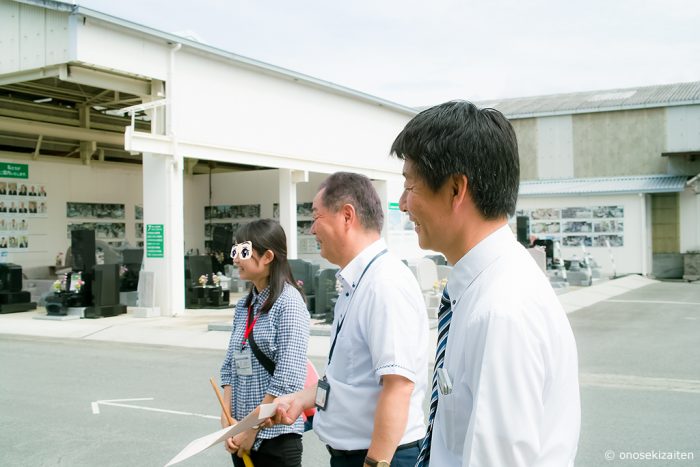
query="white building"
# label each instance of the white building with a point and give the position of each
(267, 135)
(618, 165)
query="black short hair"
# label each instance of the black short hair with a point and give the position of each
(351, 188)
(459, 138)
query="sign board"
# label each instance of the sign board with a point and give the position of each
(393, 206)
(12, 170)
(154, 241)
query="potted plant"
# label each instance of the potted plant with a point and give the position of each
(59, 285)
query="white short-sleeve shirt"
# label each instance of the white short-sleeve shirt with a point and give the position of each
(384, 331)
(512, 359)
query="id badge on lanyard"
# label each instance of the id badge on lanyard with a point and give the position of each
(244, 362)
(323, 390)
(243, 359)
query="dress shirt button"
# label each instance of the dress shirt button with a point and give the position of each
(454, 302)
(347, 294)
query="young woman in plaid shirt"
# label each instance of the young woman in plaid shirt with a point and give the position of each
(274, 317)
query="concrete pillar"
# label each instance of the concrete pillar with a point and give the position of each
(645, 228)
(162, 205)
(288, 210)
(288, 180)
(383, 191)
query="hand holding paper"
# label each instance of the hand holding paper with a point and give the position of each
(288, 410)
(205, 442)
(291, 406)
(245, 442)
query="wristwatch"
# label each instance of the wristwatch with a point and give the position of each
(373, 463)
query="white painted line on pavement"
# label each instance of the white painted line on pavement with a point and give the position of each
(659, 302)
(116, 403)
(640, 383)
(96, 405)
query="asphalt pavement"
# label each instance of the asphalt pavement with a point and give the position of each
(639, 362)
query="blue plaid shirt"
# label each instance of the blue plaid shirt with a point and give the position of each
(283, 335)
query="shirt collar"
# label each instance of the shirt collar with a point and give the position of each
(260, 297)
(476, 260)
(351, 273)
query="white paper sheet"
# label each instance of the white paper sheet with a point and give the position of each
(205, 442)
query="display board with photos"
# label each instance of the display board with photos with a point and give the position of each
(20, 202)
(138, 215)
(304, 211)
(95, 210)
(590, 226)
(111, 232)
(306, 241)
(108, 231)
(219, 214)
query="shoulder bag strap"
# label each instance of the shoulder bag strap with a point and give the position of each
(264, 360)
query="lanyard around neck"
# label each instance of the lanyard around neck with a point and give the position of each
(347, 308)
(249, 325)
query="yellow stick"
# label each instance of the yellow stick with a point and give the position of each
(229, 418)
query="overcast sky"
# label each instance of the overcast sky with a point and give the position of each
(426, 52)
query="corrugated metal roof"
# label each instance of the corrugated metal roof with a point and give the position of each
(607, 185)
(598, 101)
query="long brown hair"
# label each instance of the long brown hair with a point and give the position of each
(267, 234)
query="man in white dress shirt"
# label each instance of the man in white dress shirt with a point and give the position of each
(507, 390)
(374, 384)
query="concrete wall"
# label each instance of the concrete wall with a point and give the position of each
(602, 144)
(609, 144)
(526, 132)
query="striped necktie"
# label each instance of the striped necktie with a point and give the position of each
(444, 317)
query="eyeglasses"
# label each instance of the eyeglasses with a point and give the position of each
(242, 250)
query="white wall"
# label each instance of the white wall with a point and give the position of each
(74, 182)
(227, 110)
(226, 105)
(690, 220)
(683, 128)
(628, 258)
(555, 150)
(31, 37)
(106, 46)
